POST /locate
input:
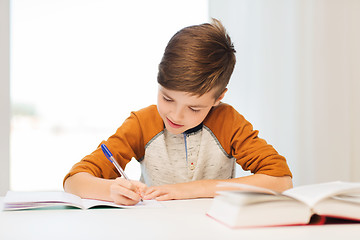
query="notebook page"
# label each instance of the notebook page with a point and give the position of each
(14, 197)
(312, 194)
(88, 203)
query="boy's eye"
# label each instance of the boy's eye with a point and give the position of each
(167, 99)
(194, 110)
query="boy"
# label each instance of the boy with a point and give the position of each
(190, 141)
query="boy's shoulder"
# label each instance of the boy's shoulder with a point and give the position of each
(223, 106)
(148, 114)
(224, 110)
(224, 114)
(146, 110)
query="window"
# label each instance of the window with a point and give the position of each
(78, 68)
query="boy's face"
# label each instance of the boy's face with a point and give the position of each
(181, 111)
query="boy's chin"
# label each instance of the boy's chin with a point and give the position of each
(175, 131)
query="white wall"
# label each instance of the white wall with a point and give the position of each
(328, 76)
(4, 96)
(297, 80)
(85, 67)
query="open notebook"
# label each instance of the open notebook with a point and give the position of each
(29, 200)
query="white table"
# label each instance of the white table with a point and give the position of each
(180, 219)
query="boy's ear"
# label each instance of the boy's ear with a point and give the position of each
(217, 101)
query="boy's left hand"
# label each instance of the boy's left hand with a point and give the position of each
(174, 191)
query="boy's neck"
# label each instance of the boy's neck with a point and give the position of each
(194, 129)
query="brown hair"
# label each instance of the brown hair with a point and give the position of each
(197, 59)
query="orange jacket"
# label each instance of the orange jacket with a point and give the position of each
(207, 152)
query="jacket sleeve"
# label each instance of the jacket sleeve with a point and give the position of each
(125, 144)
(240, 140)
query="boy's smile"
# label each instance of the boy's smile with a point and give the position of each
(181, 111)
(174, 125)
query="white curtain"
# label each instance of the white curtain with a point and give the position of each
(297, 80)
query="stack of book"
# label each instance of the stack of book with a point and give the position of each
(309, 204)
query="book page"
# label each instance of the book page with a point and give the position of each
(89, 203)
(18, 197)
(353, 198)
(29, 200)
(246, 197)
(17, 200)
(312, 194)
(231, 186)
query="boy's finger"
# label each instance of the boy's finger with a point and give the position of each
(121, 200)
(118, 190)
(139, 184)
(152, 195)
(149, 190)
(141, 187)
(164, 197)
(126, 183)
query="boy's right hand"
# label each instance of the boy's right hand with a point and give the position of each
(125, 192)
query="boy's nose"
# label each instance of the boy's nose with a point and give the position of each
(178, 115)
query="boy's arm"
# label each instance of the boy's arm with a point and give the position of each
(208, 188)
(119, 190)
(96, 177)
(85, 185)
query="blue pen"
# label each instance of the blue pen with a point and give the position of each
(110, 157)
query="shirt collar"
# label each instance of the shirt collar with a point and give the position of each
(194, 129)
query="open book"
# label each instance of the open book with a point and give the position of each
(29, 200)
(309, 204)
